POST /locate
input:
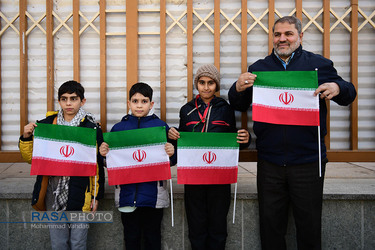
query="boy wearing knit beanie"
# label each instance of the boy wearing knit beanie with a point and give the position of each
(210, 71)
(207, 206)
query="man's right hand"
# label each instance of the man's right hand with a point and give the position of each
(28, 130)
(245, 81)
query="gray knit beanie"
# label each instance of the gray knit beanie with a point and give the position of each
(208, 70)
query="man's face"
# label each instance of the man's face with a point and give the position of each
(286, 39)
(140, 105)
(70, 104)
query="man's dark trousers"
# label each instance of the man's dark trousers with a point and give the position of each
(298, 185)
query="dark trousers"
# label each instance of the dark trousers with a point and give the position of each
(144, 223)
(300, 186)
(207, 208)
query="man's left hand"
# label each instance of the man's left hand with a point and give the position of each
(327, 90)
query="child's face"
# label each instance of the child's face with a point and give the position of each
(206, 88)
(70, 104)
(140, 105)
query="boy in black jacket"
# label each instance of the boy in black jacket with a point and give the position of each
(207, 206)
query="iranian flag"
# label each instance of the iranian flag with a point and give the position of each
(137, 155)
(207, 158)
(60, 150)
(286, 97)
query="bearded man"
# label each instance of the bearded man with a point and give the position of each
(288, 155)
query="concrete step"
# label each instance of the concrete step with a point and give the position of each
(348, 220)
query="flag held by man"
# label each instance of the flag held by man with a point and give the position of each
(137, 156)
(207, 158)
(286, 97)
(60, 150)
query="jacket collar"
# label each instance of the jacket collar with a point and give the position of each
(214, 101)
(132, 117)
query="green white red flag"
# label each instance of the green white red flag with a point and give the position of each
(137, 155)
(286, 97)
(60, 150)
(207, 158)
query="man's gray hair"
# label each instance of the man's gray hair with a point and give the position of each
(291, 20)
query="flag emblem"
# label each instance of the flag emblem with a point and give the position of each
(207, 158)
(67, 151)
(286, 97)
(139, 155)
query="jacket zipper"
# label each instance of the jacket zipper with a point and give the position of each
(136, 185)
(208, 117)
(284, 136)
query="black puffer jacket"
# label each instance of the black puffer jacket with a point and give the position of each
(220, 117)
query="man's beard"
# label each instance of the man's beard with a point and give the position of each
(289, 51)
